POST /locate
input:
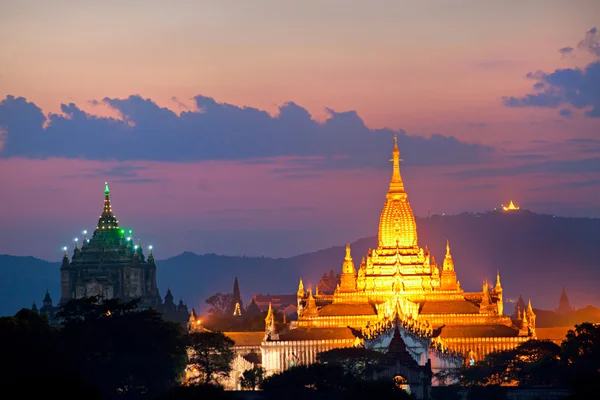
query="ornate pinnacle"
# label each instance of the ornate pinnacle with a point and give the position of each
(498, 285)
(448, 248)
(348, 256)
(396, 184)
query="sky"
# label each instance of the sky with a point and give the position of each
(265, 127)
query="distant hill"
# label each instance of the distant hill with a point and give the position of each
(536, 254)
(550, 319)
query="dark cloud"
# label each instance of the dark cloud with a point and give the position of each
(545, 167)
(565, 113)
(117, 171)
(591, 42)
(566, 52)
(217, 131)
(578, 87)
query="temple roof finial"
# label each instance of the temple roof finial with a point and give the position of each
(498, 285)
(448, 248)
(396, 184)
(107, 219)
(348, 255)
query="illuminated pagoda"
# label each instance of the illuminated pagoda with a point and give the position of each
(110, 265)
(511, 207)
(398, 286)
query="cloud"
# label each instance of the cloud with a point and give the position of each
(565, 113)
(585, 165)
(591, 42)
(566, 52)
(117, 171)
(578, 87)
(217, 131)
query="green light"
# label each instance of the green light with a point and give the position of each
(106, 189)
(130, 231)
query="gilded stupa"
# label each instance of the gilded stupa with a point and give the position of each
(398, 287)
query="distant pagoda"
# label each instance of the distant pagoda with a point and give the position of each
(109, 265)
(511, 207)
(564, 306)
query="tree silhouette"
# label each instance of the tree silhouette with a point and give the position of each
(124, 351)
(252, 378)
(219, 303)
(210, 354)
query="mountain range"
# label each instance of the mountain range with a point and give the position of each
(536, 255)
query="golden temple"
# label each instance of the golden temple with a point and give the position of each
(511, 207)
(398, 297)
(398, 286)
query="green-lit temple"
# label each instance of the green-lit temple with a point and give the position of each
(110, 265)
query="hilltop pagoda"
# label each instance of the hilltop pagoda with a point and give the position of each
(398, 287)
(110, 265)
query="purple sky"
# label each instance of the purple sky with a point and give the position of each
(267, 129)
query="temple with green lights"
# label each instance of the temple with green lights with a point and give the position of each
(110, 265)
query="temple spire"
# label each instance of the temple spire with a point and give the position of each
(348, 255)
(396, 184)
(498, 285)
(448, 262)
(107, 220)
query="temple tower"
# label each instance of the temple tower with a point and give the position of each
(109, 265)
(397, 227)
(448, 277)
(237, 306)
(564, 306)
(348, 278)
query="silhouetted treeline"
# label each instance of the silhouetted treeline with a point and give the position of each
(102, 350)
(574, 365)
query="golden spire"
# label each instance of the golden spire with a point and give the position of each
(348, 256)
(269, 316)
(310, 296)
(529, 308)
(396, 184)
(348, 265)
(498, 285)
(448, 262)
(300, 288)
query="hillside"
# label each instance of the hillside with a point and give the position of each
(536, 254)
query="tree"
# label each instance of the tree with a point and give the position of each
(356, 361)
(211, 354)
(581, 351)
(219, 303)
(534, 362)
(124, 351)
(537, 362)
(27, 347)
(252, 378)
